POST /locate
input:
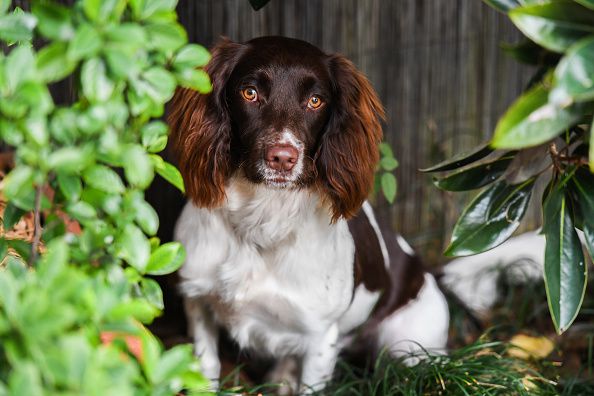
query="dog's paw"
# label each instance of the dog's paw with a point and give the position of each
(286, 375)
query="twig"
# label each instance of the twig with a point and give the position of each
(36, 225)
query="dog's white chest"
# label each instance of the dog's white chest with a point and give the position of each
(273, 270)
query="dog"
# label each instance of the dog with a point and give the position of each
(283, 250)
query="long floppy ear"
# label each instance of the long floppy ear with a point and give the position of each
(348, 152)
(201, 130)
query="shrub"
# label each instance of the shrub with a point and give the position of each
(74, 296)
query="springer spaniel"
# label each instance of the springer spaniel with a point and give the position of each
(283, 252)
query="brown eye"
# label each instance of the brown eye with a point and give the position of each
(250, 94)
(314, 102)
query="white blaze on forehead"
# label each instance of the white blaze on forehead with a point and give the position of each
(288, 137)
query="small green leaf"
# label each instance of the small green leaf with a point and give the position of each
(18, 182)
(134, 247)
(20, 66)
(137, 167)
(23, 248)
(152, 292)
(460, 160)
(17, 27)
(140, 309)
(531, 121)
(147, 218)
(168, 172)
(386, 150)
(154, 136)
(103, 178)
(555, 25)
(166, 36)
(173, 363)
(490, 219)
(574, 76)
(81, 211)
(166, 259)
(503, 5)
(191, 56)
(389, 186)
(565, 267)
(95, 83)
(54, 20)
(70, 159)
(195, 79)
(161, 84)
(11, 216)
(475, 177)
(86, 43)
(53, 64)
(388, 163)
(70, 186)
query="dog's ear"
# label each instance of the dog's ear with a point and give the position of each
(348, 151)
(201, 130)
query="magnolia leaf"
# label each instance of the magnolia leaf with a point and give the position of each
(531, 120)
(574, 76)
(555, 25)
(475, 177)
(460, 160)
(583, 185)
(490, 218)
(565, 267)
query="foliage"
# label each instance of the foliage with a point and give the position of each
(73, 297)
(546, 134)
(385, 181)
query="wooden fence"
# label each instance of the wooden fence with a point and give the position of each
(438, 68)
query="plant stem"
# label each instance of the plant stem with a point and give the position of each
(36, 225)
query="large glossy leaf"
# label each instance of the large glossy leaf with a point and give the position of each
(531, 120)
(556, 25)
(460, 160)
(565, 267)
(490, 218)
(475, 177)
(574, 76)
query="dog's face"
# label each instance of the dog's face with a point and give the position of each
(282, 113)
(280, 98)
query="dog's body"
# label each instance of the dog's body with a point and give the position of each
(276, 160)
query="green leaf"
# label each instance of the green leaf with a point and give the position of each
(168, 172)
(104, 10)
(134, 247)
(36, 129)
(565, 267)
(531, 53)
(166, 259)
(152, 292)
(574, 76)
(191, 56)
(147, 218)
(583, 185)
(388, 163)
(195, 79)
(137, 167)
(556, 25)
(475, 177)
(95, 83)
(54, 20)
(23, 248)
(18, 182)
(142, 310)
(70, 159)
(11, 216)
(161, 84)
(389, 186)
(120, 64)
(86, 43)
(460, 160)
(81, 211)
(166, 36)
(103, 178)
(53, 64)
(20, 66)
(154, 136)
(17, 27)
(386, 150)
(503, 5)
(128, 36)
(3, 249)
(591, 148)
(531, 121)
(587, 3)
(257, 4)
(173, 363)
(70, 186)
(490, 219)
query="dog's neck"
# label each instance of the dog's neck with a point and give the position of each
(267, 216)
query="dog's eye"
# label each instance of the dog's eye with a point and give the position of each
(250, 94)
(314, 102)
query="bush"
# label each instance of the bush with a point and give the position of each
(74, 296)
(546, 134)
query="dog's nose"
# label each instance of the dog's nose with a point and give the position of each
(282, 158)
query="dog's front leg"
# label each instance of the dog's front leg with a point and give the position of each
(319, 361)
(203, 330)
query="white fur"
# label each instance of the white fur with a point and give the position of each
(270, 175)
(368, 210)
(421, 325)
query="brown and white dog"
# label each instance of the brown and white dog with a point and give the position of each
(283, 252)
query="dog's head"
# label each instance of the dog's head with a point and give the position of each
(282, 113)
